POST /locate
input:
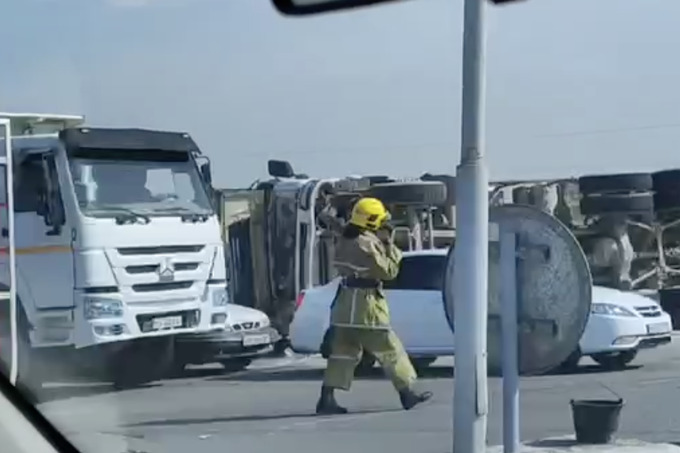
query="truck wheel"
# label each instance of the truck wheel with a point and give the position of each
(29, 376)
(610, 204)
(669, 299)
(666, 181)
(235, 365)
(132, 367)
(616, 361)
(409, 193)
(623, 182)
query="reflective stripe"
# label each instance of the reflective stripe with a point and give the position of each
(351, 266)
(361, 326)
(354, 306)
(342, 357)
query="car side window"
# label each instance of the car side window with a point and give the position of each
(420, 273)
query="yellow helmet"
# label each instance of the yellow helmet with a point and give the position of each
(369, 213)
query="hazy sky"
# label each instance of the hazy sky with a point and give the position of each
(574, 86)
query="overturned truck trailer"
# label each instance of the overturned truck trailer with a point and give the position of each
(281, 231)
(628, 225)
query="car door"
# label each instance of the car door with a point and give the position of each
(416, 306)
(43, 252)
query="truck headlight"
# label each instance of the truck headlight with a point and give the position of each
(97, 308)
(220, 298)
(610, 309)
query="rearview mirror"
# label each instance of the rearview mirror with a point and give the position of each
(304, 7)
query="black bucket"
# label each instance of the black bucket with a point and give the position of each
(595, 421)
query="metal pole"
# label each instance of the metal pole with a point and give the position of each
(508, 268)
(9, 183)
(471, 250)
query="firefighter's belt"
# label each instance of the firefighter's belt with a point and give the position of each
(361, 283)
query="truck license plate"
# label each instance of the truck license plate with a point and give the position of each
(659, 327)
(254, 340)
(168, 322)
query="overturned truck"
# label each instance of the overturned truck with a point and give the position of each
(280, 231)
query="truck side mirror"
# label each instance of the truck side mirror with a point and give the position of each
(52, 209)
(280, 169)
(206, 173)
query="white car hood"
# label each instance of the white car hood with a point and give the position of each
(627, 299)
(238, 314)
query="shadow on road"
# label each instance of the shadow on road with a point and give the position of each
(316, 374)
(248, 418)
(591, 369)
(48, 394)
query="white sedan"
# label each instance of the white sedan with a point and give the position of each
(620, 323)
(246, 335)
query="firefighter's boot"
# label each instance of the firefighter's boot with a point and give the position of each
(327, 405)
(410, 398)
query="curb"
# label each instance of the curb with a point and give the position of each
(568, 444)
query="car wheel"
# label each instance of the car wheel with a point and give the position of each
(616, 361)
(422, 363)
(234, 365)
(365, 365)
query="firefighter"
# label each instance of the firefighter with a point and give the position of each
(365, 256)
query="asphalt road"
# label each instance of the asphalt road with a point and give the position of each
(269, 409)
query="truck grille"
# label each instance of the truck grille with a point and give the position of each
(649, 311)
(161, 250)
(169, 286)
(153, 268)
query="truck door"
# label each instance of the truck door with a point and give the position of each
(43, 234)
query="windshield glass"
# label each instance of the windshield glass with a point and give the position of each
(153, 183)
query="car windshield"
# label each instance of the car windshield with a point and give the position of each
(106, 187)
(424, 272)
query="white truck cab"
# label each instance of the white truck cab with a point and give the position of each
(118, 247)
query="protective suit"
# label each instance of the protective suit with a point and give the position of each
(360, 320)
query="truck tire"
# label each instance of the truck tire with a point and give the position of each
(448, 180)
(610, 204)
(623, 182)
(29, 378)
(131, 367)
(669, 299)
(666, 190)
(666, 181)
(409, 193)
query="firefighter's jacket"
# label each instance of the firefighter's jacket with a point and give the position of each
(363, 263)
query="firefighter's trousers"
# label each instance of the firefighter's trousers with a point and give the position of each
(348, 345)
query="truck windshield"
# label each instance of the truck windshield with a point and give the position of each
(150, 183)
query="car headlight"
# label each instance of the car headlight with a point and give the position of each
(610, 309)
(97, 308)
(220, 298)
(264, 322)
